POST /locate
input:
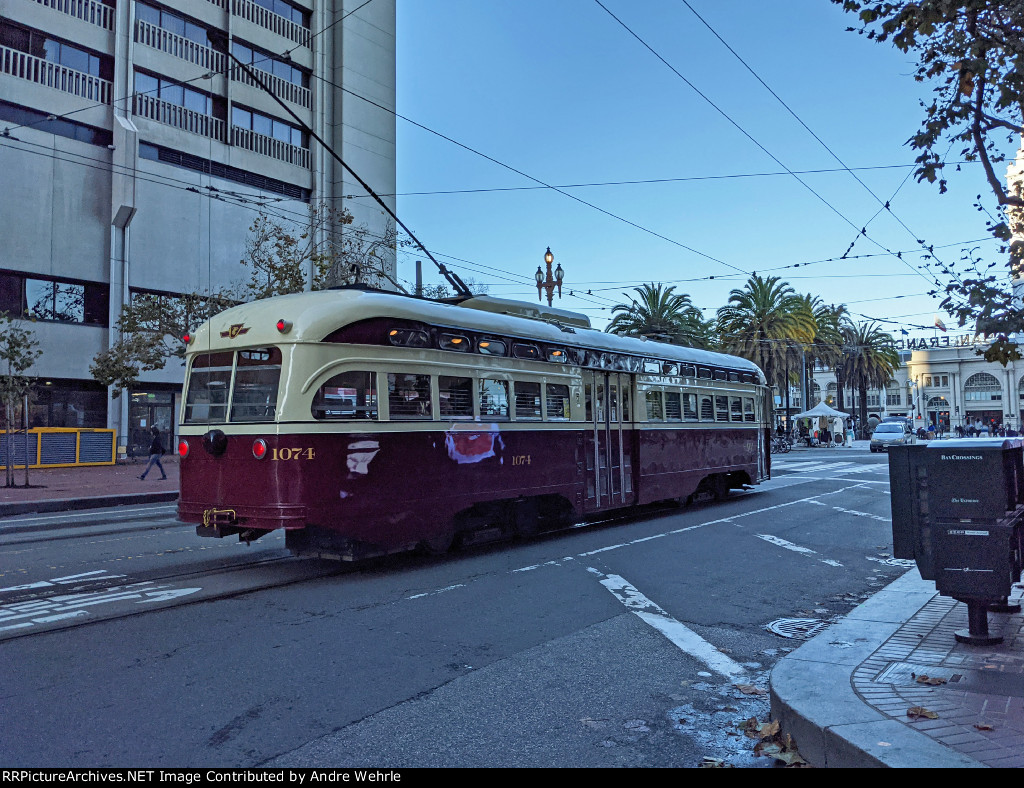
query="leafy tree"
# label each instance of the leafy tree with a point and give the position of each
(150, 332)
(326, 250)
(660, 314)
(972, 51)
(19, 350)
(871, 361)
(764, 322)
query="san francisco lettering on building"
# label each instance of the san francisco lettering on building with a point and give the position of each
(923, 343)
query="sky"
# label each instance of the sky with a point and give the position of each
(500, 101)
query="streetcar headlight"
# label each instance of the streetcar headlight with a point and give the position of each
(183, 448)
(259, 448)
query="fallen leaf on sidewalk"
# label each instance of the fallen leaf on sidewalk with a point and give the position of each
(984, 726)
(759, 730)
(921, 713)
(934, 681)
(750, 689)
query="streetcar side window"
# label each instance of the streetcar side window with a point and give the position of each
(721, 408)
(350, 395)
(521, 350)
(453, 342)
(652, 366)
(588, 398)
(707, 410)
(257, 375)
(527, 400)
(670, 368)
(409, 337)
(557, 402)
(208, 386)
(626, 406)
(491, 347)
(493, 399)
(721, 374)
(654, 406)
(673, 407)
(704, 373)
(748, 409)
(689, 406)
(455, 397)
(688, 371)
(735, 409)
(409, 397)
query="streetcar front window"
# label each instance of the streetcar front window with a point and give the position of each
(257, 375)
(208, 387)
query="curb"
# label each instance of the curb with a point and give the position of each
(813, 699)
(92, 502)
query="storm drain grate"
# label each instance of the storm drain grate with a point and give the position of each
(799, 628)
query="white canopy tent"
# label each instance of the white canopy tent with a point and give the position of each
(821, 410)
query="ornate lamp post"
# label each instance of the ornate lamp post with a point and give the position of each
(547, 283)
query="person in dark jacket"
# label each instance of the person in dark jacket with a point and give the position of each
(156, 450)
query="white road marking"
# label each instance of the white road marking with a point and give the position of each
(681, 636)
(775, 540)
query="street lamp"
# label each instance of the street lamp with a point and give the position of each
(547, 283)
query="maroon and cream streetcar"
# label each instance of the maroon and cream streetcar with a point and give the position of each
(366, 423)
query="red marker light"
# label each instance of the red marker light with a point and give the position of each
(188, 339)
(284, 326)
(183, 448)
(259, 448)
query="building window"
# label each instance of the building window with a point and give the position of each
(173, 93)
(270, 64)
(37, 44)
(172, 23)
(62, 127)
(982, 386)
(54, 299)
(287, 10)
(268, 126)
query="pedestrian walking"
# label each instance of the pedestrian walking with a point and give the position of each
(156, 450)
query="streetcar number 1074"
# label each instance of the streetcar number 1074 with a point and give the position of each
(291, 454)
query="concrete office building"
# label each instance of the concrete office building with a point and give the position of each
(134, 158)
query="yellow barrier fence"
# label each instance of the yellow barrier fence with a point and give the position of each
(58, 447)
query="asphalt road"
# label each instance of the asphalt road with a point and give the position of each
(128, 641)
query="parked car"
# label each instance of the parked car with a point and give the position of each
(891, 433)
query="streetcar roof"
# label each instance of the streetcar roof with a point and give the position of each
(314, 315)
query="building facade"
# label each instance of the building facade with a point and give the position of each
(942, 381)
(136, 156)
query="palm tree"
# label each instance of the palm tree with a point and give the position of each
(763, 322)
(662, 315)
(871, 361)
(826, 349)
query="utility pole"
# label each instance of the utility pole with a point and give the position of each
(419, 279)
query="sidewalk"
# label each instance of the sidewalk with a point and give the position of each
(843, 696)
(63, 489)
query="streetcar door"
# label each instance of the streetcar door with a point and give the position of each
(608, 445)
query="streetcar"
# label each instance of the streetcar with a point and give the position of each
(365, 423)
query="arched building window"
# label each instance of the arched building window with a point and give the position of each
(981, 387)
(815, 395)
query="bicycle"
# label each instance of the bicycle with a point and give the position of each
(780, 444)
